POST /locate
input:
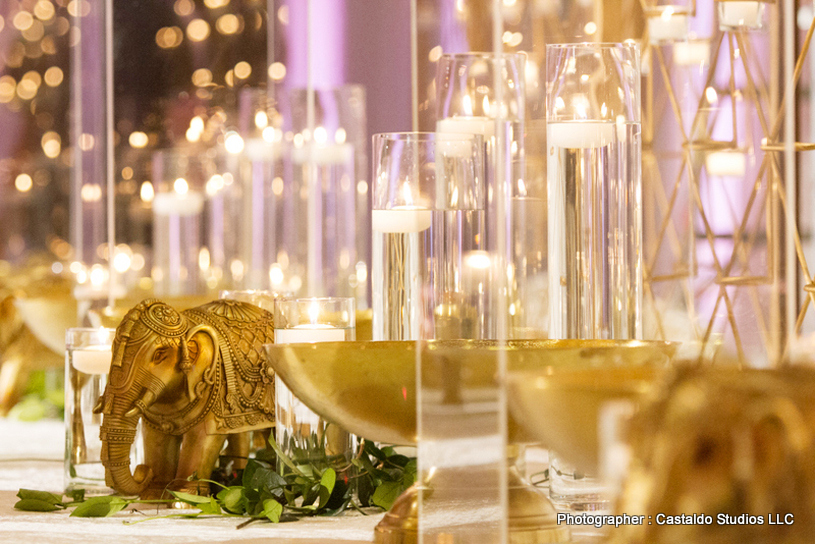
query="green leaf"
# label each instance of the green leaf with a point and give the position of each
(36, 505)
(44, 496)
(373, 451)
(248, 475)
(272, 510)
(209, 508)
(190, 498)
(386, 494)
(328, 479)
(233, 500)
(99, 507)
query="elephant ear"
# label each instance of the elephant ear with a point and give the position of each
(197, 354)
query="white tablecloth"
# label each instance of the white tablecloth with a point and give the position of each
(31, 456)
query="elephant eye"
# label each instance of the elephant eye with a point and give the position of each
(159, 355)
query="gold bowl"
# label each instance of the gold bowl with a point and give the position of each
(560, 405)
(369, 388)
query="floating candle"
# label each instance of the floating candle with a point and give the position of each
(579, 134)
(401, 219)
(691, 52)
(740, 14)
(726, 163)
(467, 125)
(92, 359)
(323, 155)
(316, 332)
(666, 24)
(183, 205)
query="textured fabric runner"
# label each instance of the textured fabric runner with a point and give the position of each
(31, 456)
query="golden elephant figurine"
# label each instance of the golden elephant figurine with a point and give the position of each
(194, 378)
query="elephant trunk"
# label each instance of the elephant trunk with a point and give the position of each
(118, 433)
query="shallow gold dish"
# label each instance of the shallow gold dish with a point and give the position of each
(369, 388)
(560, 406)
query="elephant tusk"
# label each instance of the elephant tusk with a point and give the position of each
(100, 405)
(140, 406)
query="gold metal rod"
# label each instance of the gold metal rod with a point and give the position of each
(667, 219)
(743, 280)
(717, 266)
(732, 86)
(670, 277)
(703, 99)
(799, 146)
(751, 85)
(674, 104)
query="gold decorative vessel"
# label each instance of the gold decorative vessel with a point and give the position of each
(369, 388)
(559, 405)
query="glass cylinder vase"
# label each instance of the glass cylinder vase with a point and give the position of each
(594, 170)
(304, 436)
(427, 221)
(595, 214)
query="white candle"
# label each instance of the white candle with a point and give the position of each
(92, 359)
(726, 163)
(579, 134)
(309, 333)
(467, 125)
(401, 219)
(184, 205)
(666, 25)
(691, 52)
(744, 14)
(323, 155)
(258, 149)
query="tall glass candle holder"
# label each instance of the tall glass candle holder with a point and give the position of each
(324, 242)
(470, 88)
(87, 363)
(179, 259)
(428, 215)
(301, 434)
(595, 213)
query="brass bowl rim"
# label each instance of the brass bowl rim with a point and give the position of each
(488, 345)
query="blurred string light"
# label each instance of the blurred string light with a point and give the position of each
(23, 183)
(184, 8)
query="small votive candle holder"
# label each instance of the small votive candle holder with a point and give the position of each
(741, 14)
(301, 434)
(87, 363)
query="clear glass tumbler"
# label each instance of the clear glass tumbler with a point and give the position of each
(428, 220)
(301, 434)
(87, 363)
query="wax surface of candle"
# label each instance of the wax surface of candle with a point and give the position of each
(726, 163)
(323, 154)
(309, 333)
(92, 360)
(663, 29)
(258, 149)
(467, 125)
(186, 204)
(401, 219)
(580, 134)
(733, 14)
(690, 53)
